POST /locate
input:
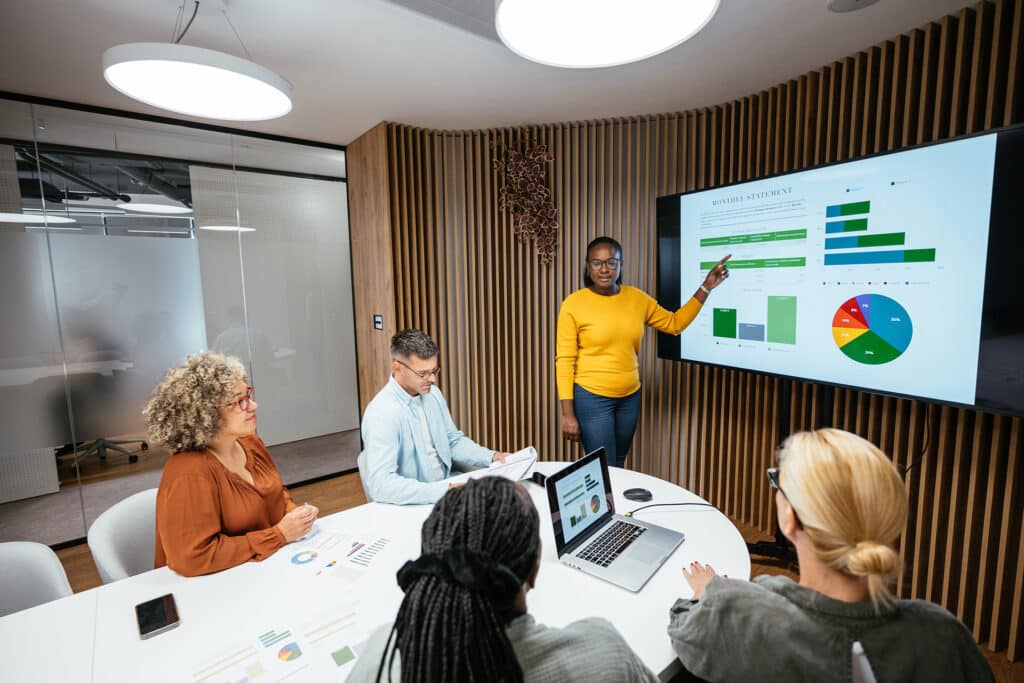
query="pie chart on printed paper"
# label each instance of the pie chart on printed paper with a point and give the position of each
(872, 329)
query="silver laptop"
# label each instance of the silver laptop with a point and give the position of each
(589, 535)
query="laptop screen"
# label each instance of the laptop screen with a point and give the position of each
(580, 497)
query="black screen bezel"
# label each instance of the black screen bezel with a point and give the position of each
(556, 516)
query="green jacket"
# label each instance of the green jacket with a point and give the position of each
(772, 629)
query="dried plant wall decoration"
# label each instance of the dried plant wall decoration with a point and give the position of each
(522, 175)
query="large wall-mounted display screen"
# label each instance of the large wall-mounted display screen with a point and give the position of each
(887, 273)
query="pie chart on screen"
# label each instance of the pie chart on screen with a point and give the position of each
(872, 329)
(595, 503)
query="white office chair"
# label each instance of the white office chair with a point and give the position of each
(32, 574)
(361, 464)
(122, 539)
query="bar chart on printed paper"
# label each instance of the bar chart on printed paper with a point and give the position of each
(363, 554)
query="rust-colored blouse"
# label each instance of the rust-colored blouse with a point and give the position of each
(209, 519)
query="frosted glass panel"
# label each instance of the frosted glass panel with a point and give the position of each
(94, 312)
(33, 410)
(130, 308)
(297, 295)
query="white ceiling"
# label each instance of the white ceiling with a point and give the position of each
(354, 63)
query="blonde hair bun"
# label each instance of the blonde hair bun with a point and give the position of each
(851, 503)
(869, 558)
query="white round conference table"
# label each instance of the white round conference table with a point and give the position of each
(330, 603)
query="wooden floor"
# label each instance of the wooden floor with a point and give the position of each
(346, 491)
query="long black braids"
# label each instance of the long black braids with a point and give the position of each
(479, 545)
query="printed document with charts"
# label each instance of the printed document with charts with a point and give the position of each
(515, 467)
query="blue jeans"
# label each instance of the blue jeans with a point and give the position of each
(607, 422)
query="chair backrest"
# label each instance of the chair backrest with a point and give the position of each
(123, 538)
(32, 574)
(361, 464)
(862, 672)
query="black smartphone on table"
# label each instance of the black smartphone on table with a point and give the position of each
(156, 616)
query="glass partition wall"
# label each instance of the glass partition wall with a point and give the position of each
(126, 245)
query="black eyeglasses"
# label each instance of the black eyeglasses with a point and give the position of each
(422, 374)
(611, 263)
(773, 479)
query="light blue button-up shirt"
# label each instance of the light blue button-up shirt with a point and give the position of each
(397, 470)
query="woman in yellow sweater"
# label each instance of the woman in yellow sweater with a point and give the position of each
(598, 338)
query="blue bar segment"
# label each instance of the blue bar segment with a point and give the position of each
(859, 257)
(751, 332)
(831, 211)
(849, 225)
(842, 242)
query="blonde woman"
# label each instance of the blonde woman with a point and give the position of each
(842, 504)
(221, 501)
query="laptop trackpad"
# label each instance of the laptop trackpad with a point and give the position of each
(648, 553)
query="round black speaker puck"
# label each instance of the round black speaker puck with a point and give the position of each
(641, 495)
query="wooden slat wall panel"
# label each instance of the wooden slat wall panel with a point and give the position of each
(370, 217)
(492, 306)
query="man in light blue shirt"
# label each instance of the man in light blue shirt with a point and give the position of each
(410, 441)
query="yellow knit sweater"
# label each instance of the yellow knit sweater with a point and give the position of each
(599, 336)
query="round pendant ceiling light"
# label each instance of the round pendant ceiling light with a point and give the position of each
(197, 82)
(34, 218)
(153, 203)
(584, 34)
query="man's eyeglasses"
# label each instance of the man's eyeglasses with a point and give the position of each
(242, 402)
(611, 264)
(422, 374)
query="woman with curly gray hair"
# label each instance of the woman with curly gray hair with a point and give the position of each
(221, 501)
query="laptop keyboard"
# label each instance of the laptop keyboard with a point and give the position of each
(610, 543)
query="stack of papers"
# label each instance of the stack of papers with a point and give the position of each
(515, 467)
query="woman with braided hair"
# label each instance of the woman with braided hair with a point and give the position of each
(842, 504)
(464, 614)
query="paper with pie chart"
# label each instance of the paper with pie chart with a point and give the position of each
(872, 329)
(325, 647)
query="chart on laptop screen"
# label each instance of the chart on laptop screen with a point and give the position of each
(581, 499)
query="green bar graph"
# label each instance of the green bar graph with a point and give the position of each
(852, 225)
(887, 239)
(918, 255)
(724, 323)
(754, 238)
(848, 209)
(782, 319)
(343, 656)
(736, 264)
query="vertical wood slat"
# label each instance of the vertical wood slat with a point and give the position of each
(458, 272)
(370, 212)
